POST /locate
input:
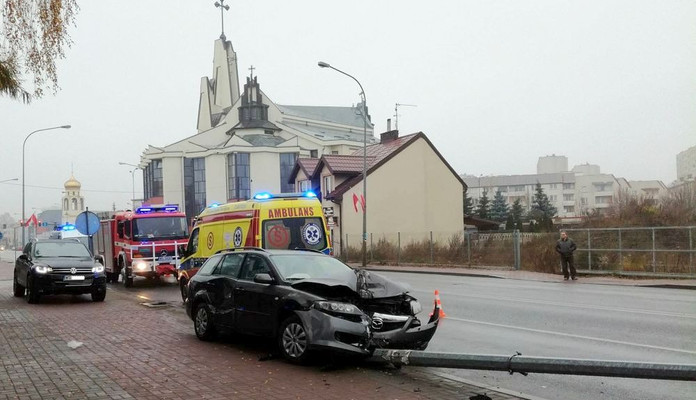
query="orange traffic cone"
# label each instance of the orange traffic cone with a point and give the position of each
(438, 305)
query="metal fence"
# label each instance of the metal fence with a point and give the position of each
(637, 251)
(651, 250)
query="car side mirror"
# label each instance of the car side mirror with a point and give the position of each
(182, 250)
(263, 278)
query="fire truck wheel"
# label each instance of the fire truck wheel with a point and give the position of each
(127, 281)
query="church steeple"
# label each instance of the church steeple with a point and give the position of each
(253, 113)
(219, 93)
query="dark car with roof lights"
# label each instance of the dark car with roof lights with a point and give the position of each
(306, 301)
(58, 266)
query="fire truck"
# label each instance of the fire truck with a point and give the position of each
(144, 242)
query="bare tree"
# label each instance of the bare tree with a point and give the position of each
(35, 35)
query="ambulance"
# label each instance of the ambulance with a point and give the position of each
(269, 221)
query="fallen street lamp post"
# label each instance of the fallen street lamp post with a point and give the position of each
(543, 365)
(364, 171)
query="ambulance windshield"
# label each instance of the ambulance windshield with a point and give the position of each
(294, 233)
(160, 228)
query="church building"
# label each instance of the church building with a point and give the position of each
(244, 143)
(73, 203)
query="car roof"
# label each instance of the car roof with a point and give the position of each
(68, 240)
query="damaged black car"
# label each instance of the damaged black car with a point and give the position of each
(306, 301)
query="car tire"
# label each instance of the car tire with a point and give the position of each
(33, 295)
(17, 289)
(203, 322)
(98, 296)
(183, 288)
(293, 340)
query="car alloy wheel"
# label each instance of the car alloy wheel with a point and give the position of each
(293, 340)
(203, 323)
(32, 293)
(17, 289)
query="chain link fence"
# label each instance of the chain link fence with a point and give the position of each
(649, 251)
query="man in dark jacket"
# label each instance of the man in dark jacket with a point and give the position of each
(565, 247)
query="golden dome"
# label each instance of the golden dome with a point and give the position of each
(72, 183)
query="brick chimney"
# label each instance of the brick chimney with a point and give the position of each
(388, 136)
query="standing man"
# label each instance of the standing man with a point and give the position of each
(565, 247)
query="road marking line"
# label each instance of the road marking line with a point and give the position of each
(570, 335)
(590, 307)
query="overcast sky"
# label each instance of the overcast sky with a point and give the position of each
(496, 83)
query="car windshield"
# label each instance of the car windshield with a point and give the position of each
(61, 249)
(295, 267)
(160, 228)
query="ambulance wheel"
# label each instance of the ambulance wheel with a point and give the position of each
(183, 287)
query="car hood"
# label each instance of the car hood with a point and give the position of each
(57, 262)
(366, 285)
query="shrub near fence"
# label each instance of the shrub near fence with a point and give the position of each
(628, 250)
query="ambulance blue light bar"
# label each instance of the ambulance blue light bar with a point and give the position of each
(309, 193)
(68, 227)
(214, 205)
(262, 196)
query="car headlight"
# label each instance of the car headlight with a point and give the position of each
(416, 307)
(98, 269)
(336, 307)
(42, 269)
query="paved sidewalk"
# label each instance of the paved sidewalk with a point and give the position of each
(70, 348)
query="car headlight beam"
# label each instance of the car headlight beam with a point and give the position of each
(42, 269)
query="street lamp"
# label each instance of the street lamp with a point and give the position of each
(132, 179)
(364, 171)
(23, 147)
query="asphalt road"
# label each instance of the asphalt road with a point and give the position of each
(564, 320)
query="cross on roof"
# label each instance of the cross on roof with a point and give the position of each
(251, 75)
(221, 4)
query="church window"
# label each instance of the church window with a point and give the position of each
(287, 163)
(73, 204)
(82, 204)
(65, 204)
(194, 186)
(238, 176)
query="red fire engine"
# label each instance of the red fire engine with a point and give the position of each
(144, 242)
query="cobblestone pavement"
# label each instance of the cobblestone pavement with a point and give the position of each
(70, 348)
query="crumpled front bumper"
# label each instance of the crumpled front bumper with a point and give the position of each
(412, 335)
(356, 336)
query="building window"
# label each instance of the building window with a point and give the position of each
(568, 197)
(287, 163)
(518, 188)
(238, 176)
(328, 185)
(313, 153)
(603, 200)
(552, 197)
(583, 201)
(569, 209)
(602, 186)
(568, 186)
(194, 186)
(553, 186)
(303, 186)
(152, 179)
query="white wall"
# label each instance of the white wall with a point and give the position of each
(216, 178)
(265, 172)
(173, 181)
